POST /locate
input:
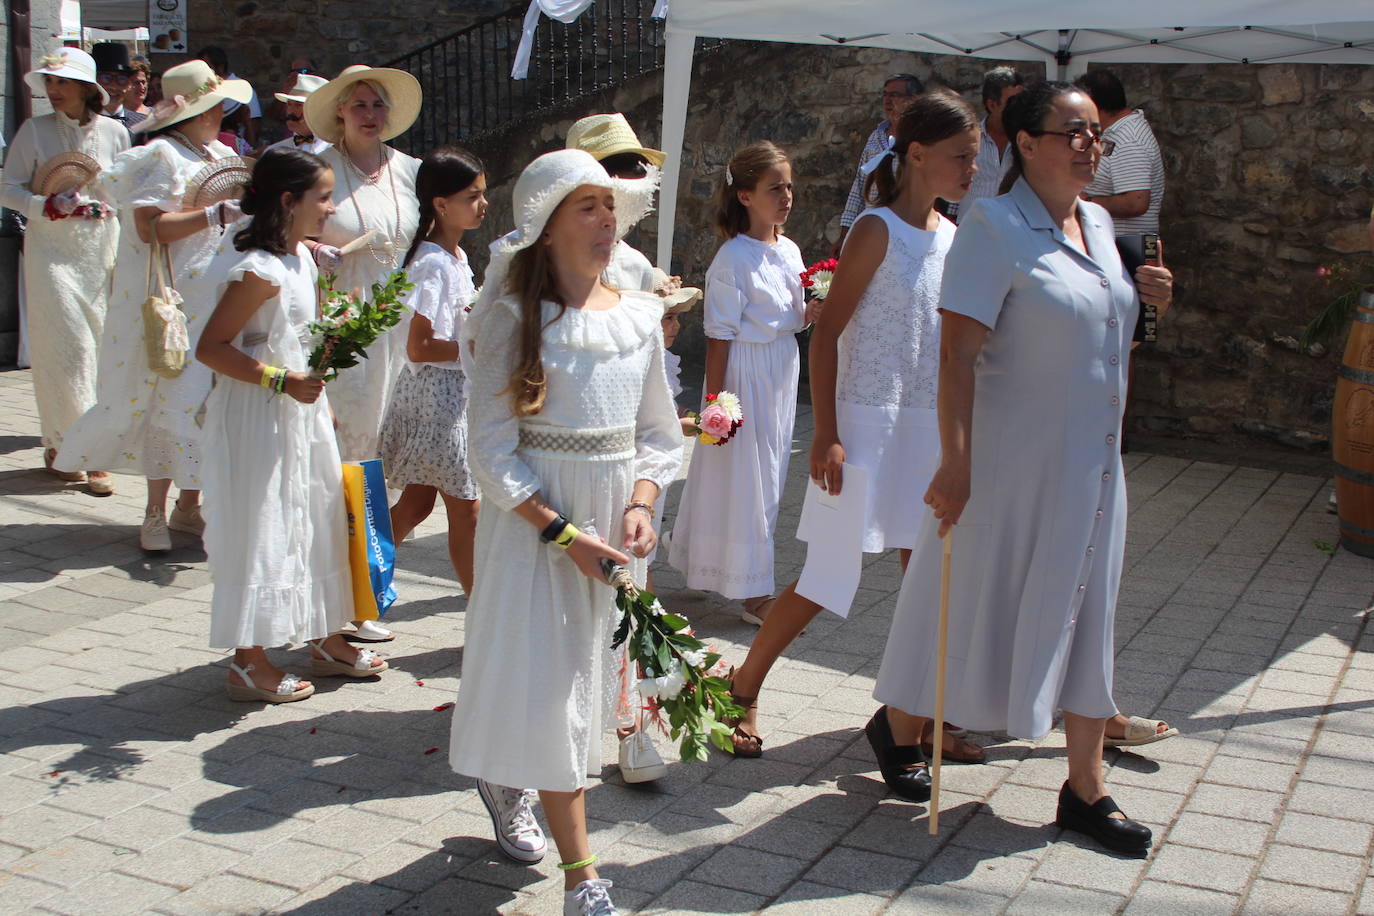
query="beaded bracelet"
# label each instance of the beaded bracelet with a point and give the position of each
(645, 506)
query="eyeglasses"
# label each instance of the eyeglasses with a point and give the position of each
(896, 95)
(1080, 138)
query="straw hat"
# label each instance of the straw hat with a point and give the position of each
(605, 135)
(68, 63)
(304, 87)
(680, 300)
(402, 93)
(190, 89)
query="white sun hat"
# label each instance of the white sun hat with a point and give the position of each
(304, 87)
(190, 89)
(68, 63)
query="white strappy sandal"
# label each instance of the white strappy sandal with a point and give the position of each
(288, 690)
(329, 666)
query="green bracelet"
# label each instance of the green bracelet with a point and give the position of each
(573, 865)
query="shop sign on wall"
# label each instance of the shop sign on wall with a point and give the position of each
(167, 26)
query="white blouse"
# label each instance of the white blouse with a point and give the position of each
(754, 291)
(443, 291)
(45, 136)
(604, 371)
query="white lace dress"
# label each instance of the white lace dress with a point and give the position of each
(360, 394)
(889, 371)
(728, 514)
(67, 265)
(141, 422)
(275, 524)
(539, 682)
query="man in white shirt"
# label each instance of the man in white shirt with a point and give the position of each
(294, 98)
(994, 147)
(1130, 179)
(898, 91)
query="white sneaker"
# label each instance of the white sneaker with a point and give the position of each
(188, 520)
(517, 832)
(590, 898)
(153, 535)
(639, 760)
(371, 631)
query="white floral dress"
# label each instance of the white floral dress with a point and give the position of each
(539, 682)
(67, 267)
(142, 422)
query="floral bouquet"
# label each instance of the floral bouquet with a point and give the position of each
(817, 277)
(720, 420)
(348, 325)
(72, 204)
(683, 677)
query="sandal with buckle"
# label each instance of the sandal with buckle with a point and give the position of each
(329, 666)
(747, 744)
(749, 612)
(288, 690)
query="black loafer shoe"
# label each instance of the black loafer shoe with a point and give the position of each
(1117, 834)
(904, 767)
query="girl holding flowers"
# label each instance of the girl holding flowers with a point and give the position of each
(275, 520)
(723, 539)
(874, 366)
(572, 436)
(424, 436)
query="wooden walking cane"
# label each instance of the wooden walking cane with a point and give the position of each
(937, 741)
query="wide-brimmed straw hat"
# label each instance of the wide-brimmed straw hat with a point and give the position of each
(305, 86)
(190, 89)
(68, 63)
(679, 300)
(403, 97)
(605, 135)
(544, 183)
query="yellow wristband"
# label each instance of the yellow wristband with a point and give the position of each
(567, 536)
(269, 374)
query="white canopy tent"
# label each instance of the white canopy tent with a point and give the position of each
(1067, 34)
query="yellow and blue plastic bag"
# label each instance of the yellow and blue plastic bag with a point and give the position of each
(371, 549)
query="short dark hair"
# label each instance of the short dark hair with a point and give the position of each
(626, 165)
(998, 80)
(913, 82)
(1105, 89)
(281, 170)
(215, 56)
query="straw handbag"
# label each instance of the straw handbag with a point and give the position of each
(164, 324)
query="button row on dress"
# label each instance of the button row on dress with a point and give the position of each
(1106, 282)
(1111, 323)
(1111, 439)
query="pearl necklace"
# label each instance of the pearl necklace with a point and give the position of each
(387, 255)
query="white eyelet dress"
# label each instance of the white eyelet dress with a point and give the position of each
(275, 524)
(539, 683)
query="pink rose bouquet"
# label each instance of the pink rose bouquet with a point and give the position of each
(720, 419)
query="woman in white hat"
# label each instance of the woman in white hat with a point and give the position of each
(142, 422)
(572, 436)
(374, 197)
(70, 244)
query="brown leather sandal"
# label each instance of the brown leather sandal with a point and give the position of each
(960, 752)
(746, 743)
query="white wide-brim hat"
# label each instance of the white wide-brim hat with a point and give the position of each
(403, 98)
(68, 63)
(305, 86)
(190, 89)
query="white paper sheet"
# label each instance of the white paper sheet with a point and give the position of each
(833, 528)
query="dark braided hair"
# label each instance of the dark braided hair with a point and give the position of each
(283, 170)
(444, 171)
(1027, 111)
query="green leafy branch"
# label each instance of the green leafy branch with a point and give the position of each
(349, 324)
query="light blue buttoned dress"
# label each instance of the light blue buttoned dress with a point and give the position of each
(1038, 551)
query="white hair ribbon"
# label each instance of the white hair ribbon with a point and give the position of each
(869, 167)
(729, 178)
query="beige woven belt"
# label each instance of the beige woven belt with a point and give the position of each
(578, 442)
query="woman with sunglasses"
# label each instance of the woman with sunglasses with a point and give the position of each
(1038, 315)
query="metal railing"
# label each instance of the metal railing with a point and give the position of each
(468, 90)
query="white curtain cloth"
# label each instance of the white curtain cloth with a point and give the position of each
(562, 10)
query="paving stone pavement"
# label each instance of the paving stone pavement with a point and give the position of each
(129, 784)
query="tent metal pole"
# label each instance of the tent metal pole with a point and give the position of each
(677, 83)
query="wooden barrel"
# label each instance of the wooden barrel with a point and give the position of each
(1352, 434)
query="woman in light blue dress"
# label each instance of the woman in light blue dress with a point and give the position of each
(1038, 320)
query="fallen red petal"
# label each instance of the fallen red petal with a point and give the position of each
(431, 750)
(312, 731)
(443, 706)
(419, 683)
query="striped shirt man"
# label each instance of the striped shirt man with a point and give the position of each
(1135, 165)
(855, 204)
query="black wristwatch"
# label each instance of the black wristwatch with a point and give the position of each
(553, 529)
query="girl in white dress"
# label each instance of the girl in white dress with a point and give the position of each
(425, 433)
(572, 435)
(723, 538)
(276, 529)
(374, 197)
(67, 258)
(874, 363)
(142, 422)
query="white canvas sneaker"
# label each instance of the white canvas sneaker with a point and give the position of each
(590, 898)
(639, 759)
(153, 536)
(188, 520)
(517, 832)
